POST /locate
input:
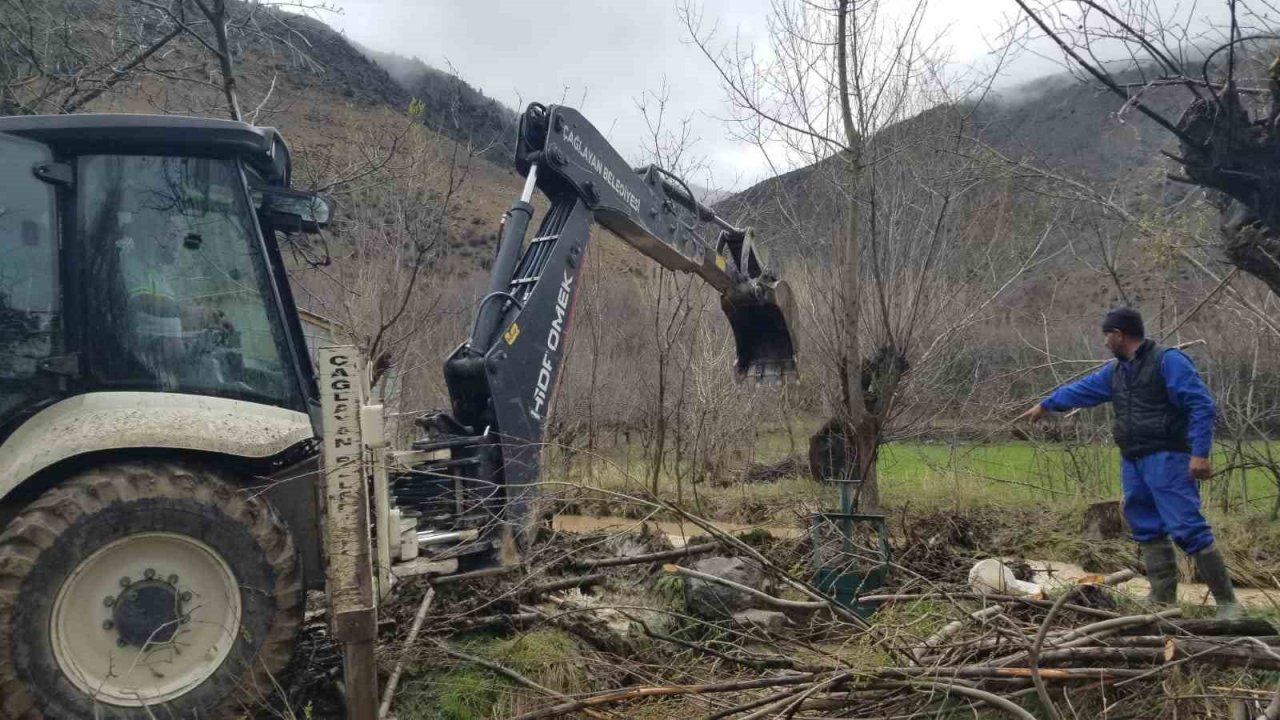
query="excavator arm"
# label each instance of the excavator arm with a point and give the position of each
(503, 379)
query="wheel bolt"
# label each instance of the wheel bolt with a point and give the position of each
(109, 601)
(173, 579)
(186, 595)
(148, 573)
(108, 625)
(125, 581)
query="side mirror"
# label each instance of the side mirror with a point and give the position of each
(292, 211)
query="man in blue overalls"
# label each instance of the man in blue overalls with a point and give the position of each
(1164, 418)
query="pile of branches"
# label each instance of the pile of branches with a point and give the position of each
(1080, 652)
(1022, 657)
(932, 648)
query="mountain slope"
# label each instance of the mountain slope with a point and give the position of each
(1057, 124)
(452, 106)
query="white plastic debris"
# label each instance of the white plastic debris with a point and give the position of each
(992, 577)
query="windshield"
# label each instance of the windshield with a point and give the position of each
(28, 274)
(176, 283)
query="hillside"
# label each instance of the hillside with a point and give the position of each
(1076, 128)
(1056, 123)
(454, 107)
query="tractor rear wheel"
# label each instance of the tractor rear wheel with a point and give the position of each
(142, 590)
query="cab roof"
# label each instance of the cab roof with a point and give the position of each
(103, 133)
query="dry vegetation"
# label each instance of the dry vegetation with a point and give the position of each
(968, 282)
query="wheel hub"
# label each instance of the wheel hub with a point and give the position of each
(130, 635)
(147, 613)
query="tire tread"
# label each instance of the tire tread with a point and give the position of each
(39, 525)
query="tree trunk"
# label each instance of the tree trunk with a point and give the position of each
(853, 455)
(868, 449)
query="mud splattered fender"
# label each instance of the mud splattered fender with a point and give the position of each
(118, 420)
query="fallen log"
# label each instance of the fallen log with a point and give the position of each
(1206, 627)
(637, 693)
(1138, 656)
(1103, 628)
(1159, 641)
(1082, 609)
(974, 672)
(1090, 634)
(592, 563)
(804, 605)
(1237, 653)
(507, 620)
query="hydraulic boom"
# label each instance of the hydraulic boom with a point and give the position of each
(502, 380)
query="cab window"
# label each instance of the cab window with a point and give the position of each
(176, 282)
(29, 303)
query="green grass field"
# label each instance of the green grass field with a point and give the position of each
(926, 474)
(1019, 472)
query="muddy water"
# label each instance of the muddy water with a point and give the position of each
(678, 533)
(1050, 573)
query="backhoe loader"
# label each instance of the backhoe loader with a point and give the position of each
(178, 469)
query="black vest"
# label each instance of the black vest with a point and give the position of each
(1146, 421)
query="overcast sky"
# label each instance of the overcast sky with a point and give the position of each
(603, 55)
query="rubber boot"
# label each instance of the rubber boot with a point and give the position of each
(1162, 572)
(1213, 568)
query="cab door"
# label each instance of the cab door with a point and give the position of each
(30, 307)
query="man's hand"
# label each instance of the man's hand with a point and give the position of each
(1201, 469)
(1035, 414)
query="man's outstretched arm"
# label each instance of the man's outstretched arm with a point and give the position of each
(1088, 391)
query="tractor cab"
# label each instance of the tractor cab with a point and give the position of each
(137, 253)
(152, 367)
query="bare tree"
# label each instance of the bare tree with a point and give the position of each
(670, 298)
(855, 92)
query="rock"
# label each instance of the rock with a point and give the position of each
(1104, 521)
(770, 620)
(713, 600)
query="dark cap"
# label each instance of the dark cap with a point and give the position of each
(1126, 320)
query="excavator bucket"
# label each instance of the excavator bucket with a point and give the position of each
(763, 321)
